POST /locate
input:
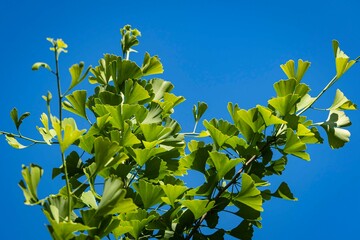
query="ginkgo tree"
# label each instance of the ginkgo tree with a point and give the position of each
(123, 174)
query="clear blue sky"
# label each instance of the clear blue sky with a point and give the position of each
(213, 51)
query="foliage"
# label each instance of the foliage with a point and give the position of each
(136, 151)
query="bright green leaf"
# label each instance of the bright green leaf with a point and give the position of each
(151, 65)
(113, 199)
(342, 103)
(249, 194)
(223, 164)
(76, 104)
(269, 117)
(31, 176)
(295, 146)
(150, 194)
(172, 192)
(198, 207)
(76, 77)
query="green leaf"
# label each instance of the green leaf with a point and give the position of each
(71, 132)
(38, 65)
(47, 133)
(129, 38)
(106, 153)
(198, 207)
(153, 132)
(337, 136)
(18, 121)
(122, 70)
(160, 87)
(31, 176)
(295, 146)
(64, 230)
(76, 77)
(243, 231)
(150, 194)
(341, 102)
(285, 105)
(77, 103)
(113, 200)
(223, 164)
(277, 166)
(172, 192)
(13, 142)
(134, 92)
(269, 117)
(289, 69)
(151, 65)
(102, 72)
(284, 192)
(249, 194)
(341, 60)
(141, 156)
(199, 110)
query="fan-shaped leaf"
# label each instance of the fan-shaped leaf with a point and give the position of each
(342, 103)
(31, 177)
(150, 194)
(198, 207)
(249, 194)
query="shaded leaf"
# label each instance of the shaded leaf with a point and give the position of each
(284, 192)
(337, 136)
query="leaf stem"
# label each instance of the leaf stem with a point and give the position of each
(60, 97)
(25, 138)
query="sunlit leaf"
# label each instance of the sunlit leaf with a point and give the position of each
(289, 69)
(76, 104)
(150, 194)
(77, 75)
(198, 207)
(134, 92)
(295, 146)
(160, 87)
(38, 65)
(64, 230)
(249, 194)
(113, 199)
(151, 65)
(47, 133)
(172, 192)
(31, 176)
(269, 117)
(342, 103)
(223, 164)
(285, 105)
(71, 132)
(341, 60)
(13, 142)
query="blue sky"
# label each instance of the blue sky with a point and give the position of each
(213, 51)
